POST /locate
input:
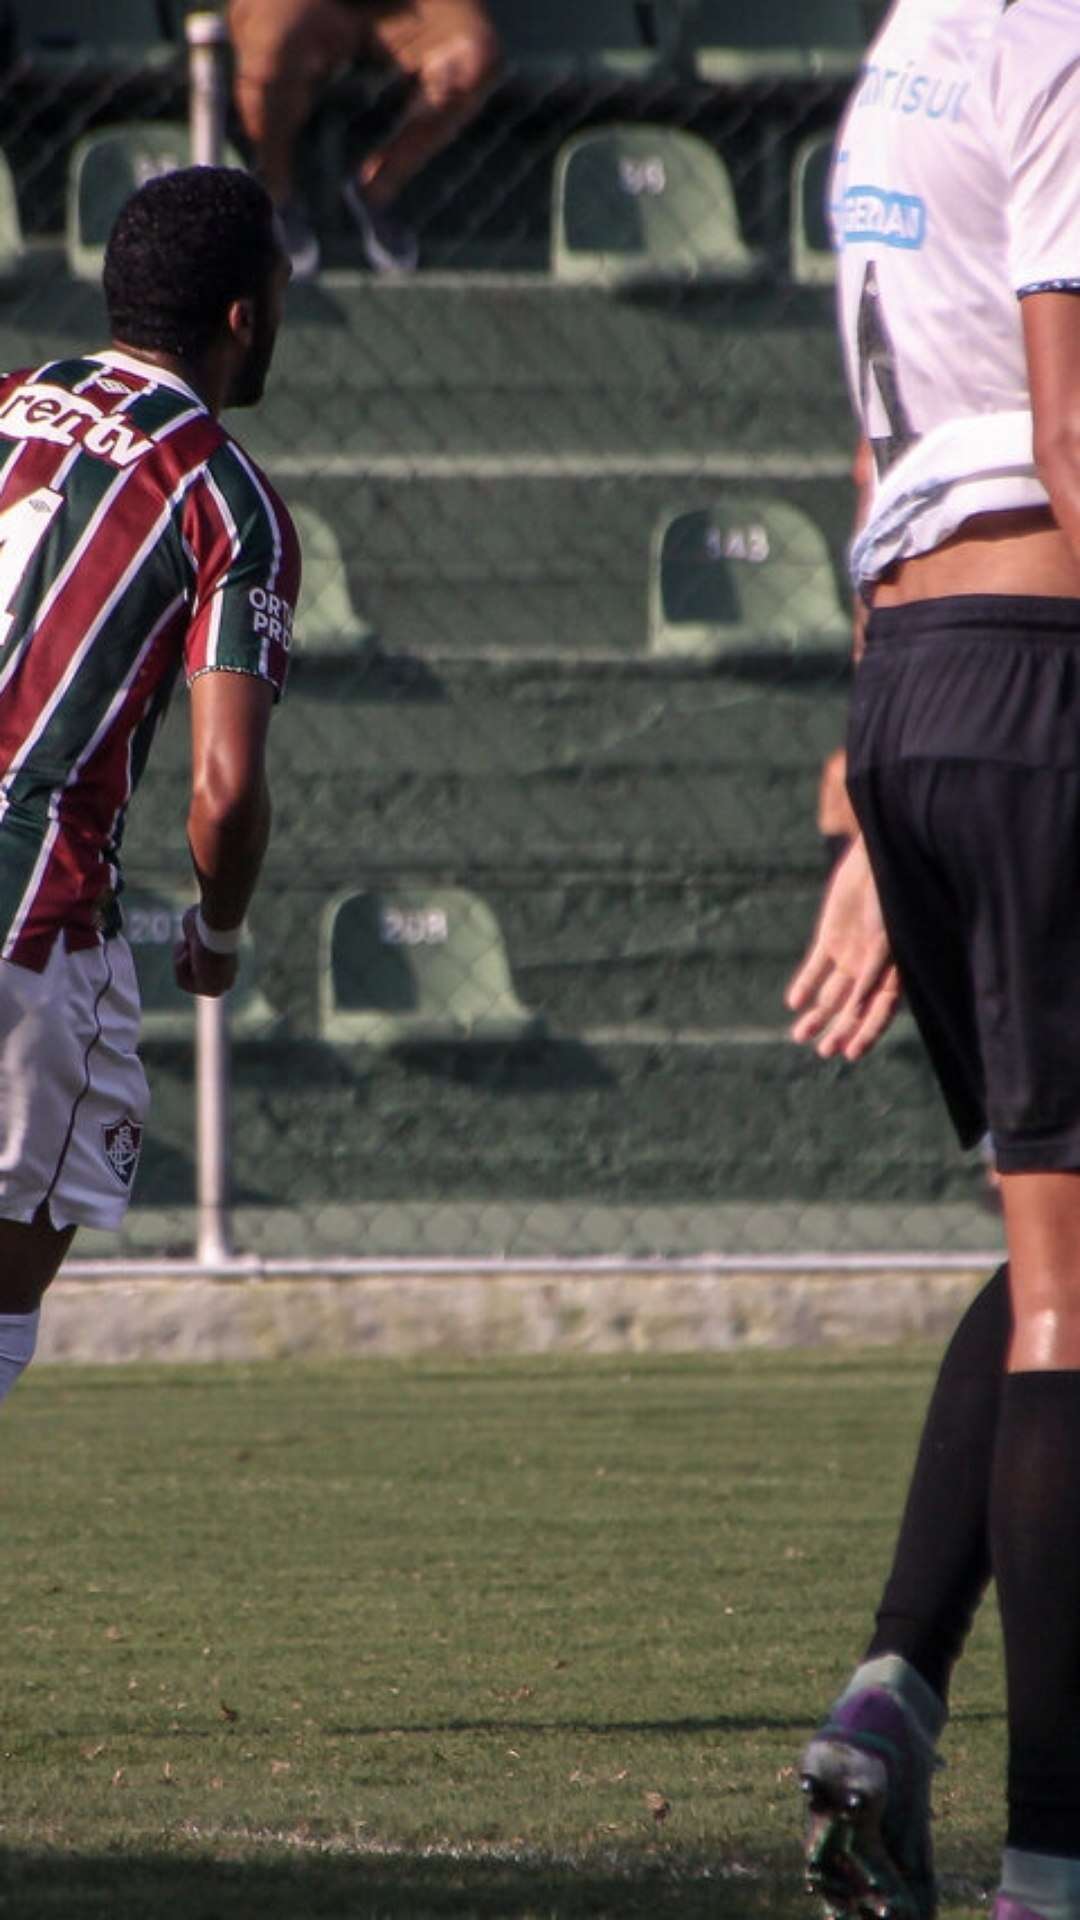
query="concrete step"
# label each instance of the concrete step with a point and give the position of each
(571, 1123)
(475, 362)
(549, 773)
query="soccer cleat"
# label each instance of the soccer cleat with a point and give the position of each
(866, 1778)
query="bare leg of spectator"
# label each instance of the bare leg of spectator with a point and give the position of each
(286, 51)
(448, 49)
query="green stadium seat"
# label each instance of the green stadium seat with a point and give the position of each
(418, 967)
(94, 32)
(12, 248)
(813, 257)
(104, 169)
(152, 918)
(639, 203)
(601, 36)
(747, 573)
(327, 624)
(731, 42)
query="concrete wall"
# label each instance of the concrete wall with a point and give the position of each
(194, 1319)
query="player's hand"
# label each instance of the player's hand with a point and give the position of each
(847, 990)
(198, 970)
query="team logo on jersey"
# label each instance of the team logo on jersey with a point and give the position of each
(935, 96)
(273, 616)
(38, 411)
(869, 214)
(123, 1143)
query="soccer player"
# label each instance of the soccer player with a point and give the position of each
(137, 541)
(956, 198)
(447, 54)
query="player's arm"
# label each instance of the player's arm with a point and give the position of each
(862, 474)
(228, 819)
(847, 990)
(246, 577)
(1052, 344)
(1034, 86)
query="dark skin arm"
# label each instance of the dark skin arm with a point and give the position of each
(1052, 342)
(228, 817)
(228, 824)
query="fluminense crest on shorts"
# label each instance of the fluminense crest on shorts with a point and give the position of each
(123, 1139)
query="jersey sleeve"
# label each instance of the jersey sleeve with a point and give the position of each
(1035, 93)
(246, 558)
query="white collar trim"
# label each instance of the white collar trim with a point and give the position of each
(147, 370)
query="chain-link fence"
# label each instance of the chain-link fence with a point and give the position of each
(573, 646)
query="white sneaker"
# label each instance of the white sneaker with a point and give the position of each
(301, 243)
(389, 245)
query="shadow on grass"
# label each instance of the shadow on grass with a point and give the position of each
(426, 1886)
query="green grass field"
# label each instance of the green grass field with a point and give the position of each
(515, 1638)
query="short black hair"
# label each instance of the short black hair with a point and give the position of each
(183, 248)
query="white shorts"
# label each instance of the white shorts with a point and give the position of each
(73, 1094)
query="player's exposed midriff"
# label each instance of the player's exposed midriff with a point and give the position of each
(1022, 551)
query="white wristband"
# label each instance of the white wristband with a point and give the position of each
(217, 939)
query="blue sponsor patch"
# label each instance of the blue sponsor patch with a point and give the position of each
(869, 215)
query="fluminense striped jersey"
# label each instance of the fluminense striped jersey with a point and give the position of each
(137, 539)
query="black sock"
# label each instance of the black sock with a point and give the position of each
(1035, 1536)
(942, 1562)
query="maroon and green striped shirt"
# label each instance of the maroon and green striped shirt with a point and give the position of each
(136, 539)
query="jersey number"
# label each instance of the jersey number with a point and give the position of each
(22, 529)
(878, 381)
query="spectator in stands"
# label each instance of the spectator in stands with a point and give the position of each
(446, 52)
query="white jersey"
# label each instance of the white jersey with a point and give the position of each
(956, 188)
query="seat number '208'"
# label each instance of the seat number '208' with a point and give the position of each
(400, 927)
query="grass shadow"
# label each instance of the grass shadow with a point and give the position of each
(406, 1885)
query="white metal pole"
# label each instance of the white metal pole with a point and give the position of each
(207, 39)
(212, 1103)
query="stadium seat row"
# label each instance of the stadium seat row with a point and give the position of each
(398, 967)
(645, 203)
(739, 575)
(631, 203)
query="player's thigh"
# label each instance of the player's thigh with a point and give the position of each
(278, 40)
(73, 1094)
(1026, 956)
(94, 1182)
(30, 1259)
(965, 709)
(926, 921)
(979, 874)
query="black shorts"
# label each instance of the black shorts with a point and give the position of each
(964, 770)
